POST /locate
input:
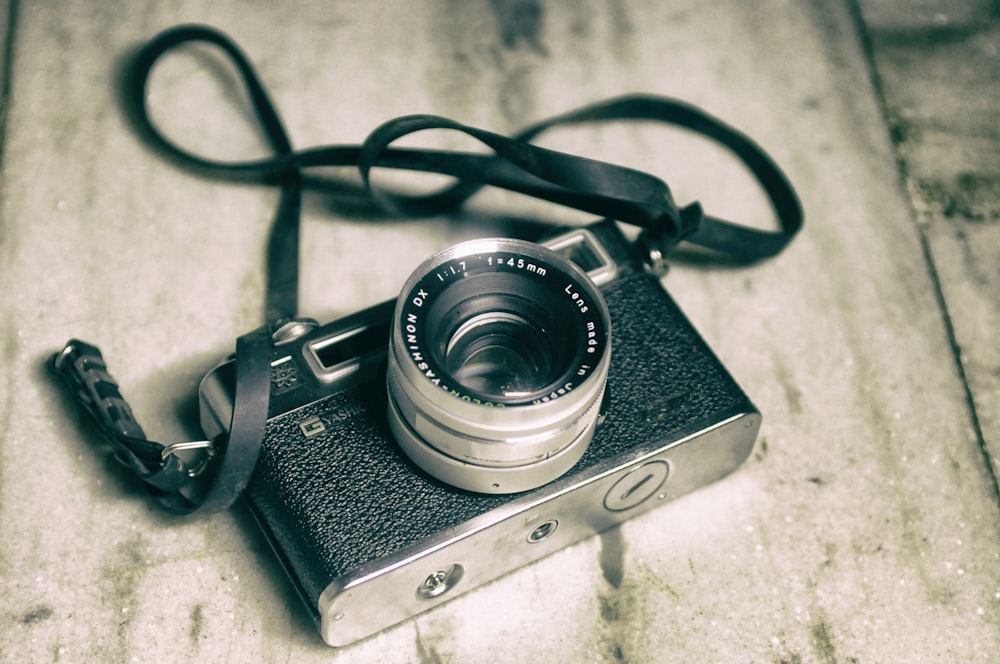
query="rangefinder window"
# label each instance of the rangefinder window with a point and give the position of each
(581, 254)
(336, 353)
(582, 248)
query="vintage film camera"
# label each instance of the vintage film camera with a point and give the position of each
(422, 447)
(515, 399)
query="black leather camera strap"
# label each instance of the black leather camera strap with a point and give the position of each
(603, 189)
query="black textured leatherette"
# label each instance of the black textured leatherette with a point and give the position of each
(347, 496)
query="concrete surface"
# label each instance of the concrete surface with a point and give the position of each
(865, 528)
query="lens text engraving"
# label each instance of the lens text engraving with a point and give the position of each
(518, 263)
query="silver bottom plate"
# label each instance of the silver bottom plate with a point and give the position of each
(368, 600)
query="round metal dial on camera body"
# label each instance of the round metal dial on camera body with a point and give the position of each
(637, 486)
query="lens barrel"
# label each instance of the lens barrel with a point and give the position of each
(497, 365)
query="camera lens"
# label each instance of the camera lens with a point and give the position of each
(499, 354)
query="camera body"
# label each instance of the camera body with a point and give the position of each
(369, 538)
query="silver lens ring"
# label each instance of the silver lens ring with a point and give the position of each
(498, 359)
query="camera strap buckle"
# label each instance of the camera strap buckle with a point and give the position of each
(85, 373)
(194, 456)
(186, 477)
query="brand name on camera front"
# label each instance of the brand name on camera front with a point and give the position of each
(317, 424)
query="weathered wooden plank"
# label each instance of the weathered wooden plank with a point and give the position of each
(939, 65)
(5, 28)
(967, 257)
(865, 526)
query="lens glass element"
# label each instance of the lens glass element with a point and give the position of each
(499, 354)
